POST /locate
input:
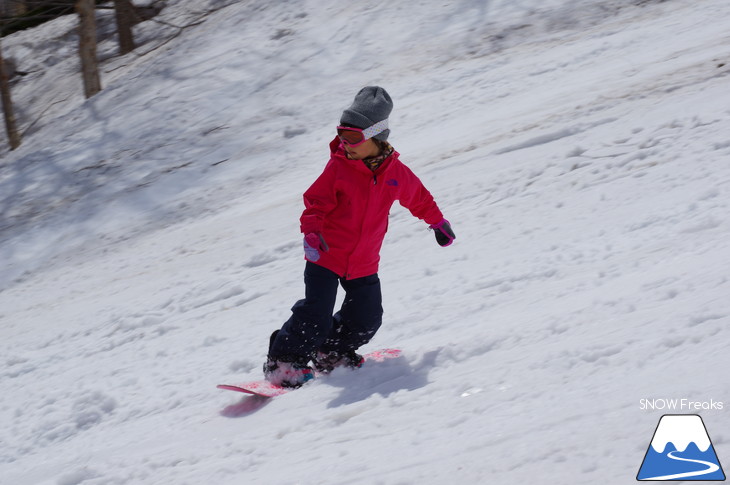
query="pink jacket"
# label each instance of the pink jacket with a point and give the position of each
(349, 206)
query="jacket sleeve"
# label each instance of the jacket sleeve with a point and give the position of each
(416, 198)
(319, 200)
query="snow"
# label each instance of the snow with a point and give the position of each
(149, 242)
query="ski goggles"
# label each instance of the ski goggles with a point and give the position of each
(357, 136)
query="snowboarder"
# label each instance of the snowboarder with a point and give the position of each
(344, 222)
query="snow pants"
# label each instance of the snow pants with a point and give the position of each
(312, 327)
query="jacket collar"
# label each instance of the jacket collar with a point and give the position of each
(338, 151)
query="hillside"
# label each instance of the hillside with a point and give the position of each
(149, 240)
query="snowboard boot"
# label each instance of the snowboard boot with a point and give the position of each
(326, 362)
(288, 372)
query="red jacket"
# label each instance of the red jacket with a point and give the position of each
(349, 205)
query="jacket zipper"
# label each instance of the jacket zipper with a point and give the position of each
(375, 182)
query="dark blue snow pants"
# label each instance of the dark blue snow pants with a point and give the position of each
(312, 327)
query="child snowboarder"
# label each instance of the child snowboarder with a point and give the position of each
(344, 222)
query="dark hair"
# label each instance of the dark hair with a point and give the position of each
(382, 145)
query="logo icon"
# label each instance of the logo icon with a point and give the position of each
(680, 450)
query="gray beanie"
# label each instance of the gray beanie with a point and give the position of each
(372, 105)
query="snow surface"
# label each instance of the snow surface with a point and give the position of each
(149, 242)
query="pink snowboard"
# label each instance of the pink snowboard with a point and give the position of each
(266, 389)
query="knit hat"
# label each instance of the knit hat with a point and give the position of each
(372, 105)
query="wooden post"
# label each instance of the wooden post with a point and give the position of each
(16, 8)
(125, 16)
(10, 126)
(20, 7)
(87, 47)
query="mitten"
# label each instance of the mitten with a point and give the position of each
(313, 244)
(444, 234)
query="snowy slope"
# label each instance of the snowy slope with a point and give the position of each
(149, 244)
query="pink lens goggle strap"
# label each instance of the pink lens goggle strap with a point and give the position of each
(367, 133)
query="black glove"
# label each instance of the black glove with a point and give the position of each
(444, 234)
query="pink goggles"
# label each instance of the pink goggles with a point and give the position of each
(357, 136)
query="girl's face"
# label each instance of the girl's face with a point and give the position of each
(366, 150)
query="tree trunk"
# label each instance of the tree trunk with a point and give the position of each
(87, 47)
(17, 7)
(10, 126)
(125, 15)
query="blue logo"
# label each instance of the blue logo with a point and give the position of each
(681, 450)
(392, 182)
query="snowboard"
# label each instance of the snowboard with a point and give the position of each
(266, 389)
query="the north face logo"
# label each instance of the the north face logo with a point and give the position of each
(392, 182)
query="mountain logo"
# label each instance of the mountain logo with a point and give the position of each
(681, 450)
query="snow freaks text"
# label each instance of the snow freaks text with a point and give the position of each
(663, 404)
